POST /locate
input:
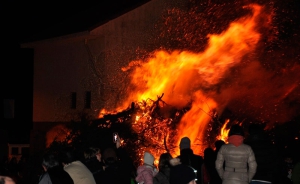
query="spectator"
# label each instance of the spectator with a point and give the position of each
(187, 157)
(54, 172)
(237, 157)
(208, 169)
(92, 160)
(147, 171)
(287, 168)
(266, 156)
(296, 173)
(118, 166)
(218, 145)
(76, 169)
(182, 174)
(6, 180)
(164, 169)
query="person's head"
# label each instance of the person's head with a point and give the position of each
(109, 156)
(68, 156)
(183, 174)
(164, 160)
(236, 130)
(92, 152)
(185, 143)
(218, 144)
(49, 161)
(148, 158)
(6, 180)
(208, 153)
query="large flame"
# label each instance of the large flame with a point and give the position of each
(185, 77)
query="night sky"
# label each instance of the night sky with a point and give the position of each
(20, 20)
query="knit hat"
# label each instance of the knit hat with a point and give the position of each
(182, 174)
(185, 142)
(236, 130)
(148, 158)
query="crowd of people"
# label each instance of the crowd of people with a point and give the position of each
(242, 160)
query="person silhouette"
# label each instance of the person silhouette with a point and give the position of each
(187, 157)
(239, 158)
(266, 155)
(208, 169)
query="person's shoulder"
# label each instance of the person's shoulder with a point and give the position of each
(197, 156)
(246, 147)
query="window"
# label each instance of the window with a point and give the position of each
(87, 100)
(73, 100)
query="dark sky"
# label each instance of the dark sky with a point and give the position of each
(21, 19)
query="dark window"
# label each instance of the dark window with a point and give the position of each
(73, 100)
(14, 150)
(87, 100)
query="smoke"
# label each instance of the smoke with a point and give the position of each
(237, 61)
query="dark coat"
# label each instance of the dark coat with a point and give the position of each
(118, 170)
(56, 175)
(266, 155)
(187, 157)
(95, 167)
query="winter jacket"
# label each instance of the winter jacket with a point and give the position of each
(95, 167)
(56, 175)
(187, 157)
(160, 178)
(79, 173)
(236, 159)
(145, 174)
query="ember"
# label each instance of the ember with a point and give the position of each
(198, 85)
(186, 80)
(212, 72)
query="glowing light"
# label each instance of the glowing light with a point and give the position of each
(224, 132)
(183, 78)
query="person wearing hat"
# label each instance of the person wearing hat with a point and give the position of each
(239, 158)
(183, 174)
(147, 171)
(187, 157)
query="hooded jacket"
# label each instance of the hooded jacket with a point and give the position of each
(236, 156)
(145, 174)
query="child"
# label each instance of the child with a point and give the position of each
(147, 171)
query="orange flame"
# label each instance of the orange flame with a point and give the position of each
(185, 77)
(224, 132)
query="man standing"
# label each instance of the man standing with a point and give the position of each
(187, 157)
(266, 156)
(236, 156)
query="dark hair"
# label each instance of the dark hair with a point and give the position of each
(91, 152)
(109, 156)
(164, 160)
(236, 130)
(50, 160)
(68, 156)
